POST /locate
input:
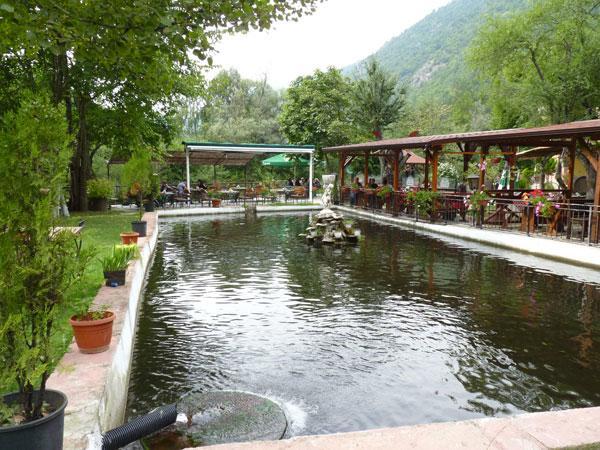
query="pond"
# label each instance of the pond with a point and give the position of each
(400, 329)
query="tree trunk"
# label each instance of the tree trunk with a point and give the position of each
(80, 169)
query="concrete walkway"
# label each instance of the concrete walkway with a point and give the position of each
(96, 384)
(530, 431)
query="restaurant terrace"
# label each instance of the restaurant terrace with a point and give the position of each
(508, 207)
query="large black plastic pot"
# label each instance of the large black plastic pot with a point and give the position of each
(140, 227)
(149, 206)
(42, 434)
(115, 278)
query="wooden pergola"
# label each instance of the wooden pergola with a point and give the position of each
(497, 143)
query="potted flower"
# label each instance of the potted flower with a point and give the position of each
(92, 329)
(99, 192)
(543, 205)
(114, 265)
(141, 182)
(476, 200)
(424, 201)
(38, 269)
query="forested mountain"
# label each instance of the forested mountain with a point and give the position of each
(429, 57)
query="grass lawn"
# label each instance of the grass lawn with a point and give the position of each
(101, 230)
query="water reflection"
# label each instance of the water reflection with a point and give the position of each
(400, 329)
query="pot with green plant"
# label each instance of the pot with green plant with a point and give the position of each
(425, 202)
(92, 329)
(138, 176)
(99, 192)
(385, 196)
(114, 265)
(39, 269)
(215, 198)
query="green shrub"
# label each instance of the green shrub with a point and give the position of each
(37, 266)
(100, 188)
(119, 258)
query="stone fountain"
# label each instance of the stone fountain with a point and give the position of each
(329, 228)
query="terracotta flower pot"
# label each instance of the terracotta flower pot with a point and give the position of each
(216, 202)
(129, 237)
(93, 336)
(483, 202)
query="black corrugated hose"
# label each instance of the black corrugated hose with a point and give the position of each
(139, 427)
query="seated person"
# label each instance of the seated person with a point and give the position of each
(316, 183)
(372, 183)
(290, 182)
(182, 188)
(201, 186)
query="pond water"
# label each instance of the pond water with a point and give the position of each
(400, 329)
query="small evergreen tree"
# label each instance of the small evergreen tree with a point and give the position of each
(37, 263)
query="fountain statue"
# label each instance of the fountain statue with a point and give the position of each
(327, 227)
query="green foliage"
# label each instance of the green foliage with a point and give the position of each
(377, 99)
(543, 63)
(100, 188)
(37, 265)
(423, 200)
(475, 201)
(94, 313)
(237, 110)
(429, 58)
(139, 177)
(316, 111)
(121, 68)
(119, 258)
(384, 191)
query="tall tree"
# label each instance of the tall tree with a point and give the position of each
(542, 64)
(316, 111)
(240, 110)
(377, 99)
(119, 54)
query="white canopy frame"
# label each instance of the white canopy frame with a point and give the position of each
(220, 149)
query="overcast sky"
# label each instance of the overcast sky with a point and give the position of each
(340, 33)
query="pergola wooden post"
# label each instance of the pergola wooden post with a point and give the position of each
(426, 174)
(434, 168)
(512, 161)
(342, 169)
(395, 182)
(366, 170)
(482, 167)
(571, 178)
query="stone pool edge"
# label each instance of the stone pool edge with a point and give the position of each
(571, 253)
(96, 385)
(192, 211)
(555, 429)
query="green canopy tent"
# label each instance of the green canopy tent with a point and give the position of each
(284, 161)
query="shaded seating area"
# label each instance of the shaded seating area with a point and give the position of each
(228, 155)
(552, 212)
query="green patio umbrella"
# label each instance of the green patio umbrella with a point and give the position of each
(284, 161)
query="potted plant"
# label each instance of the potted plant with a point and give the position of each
(425, 202)
(114, 265)
(215, 198)
(140, 179)
(129, 237)
(544, 206)
(39, 264)
(477, 199)
(92, 329)
(99, 192)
